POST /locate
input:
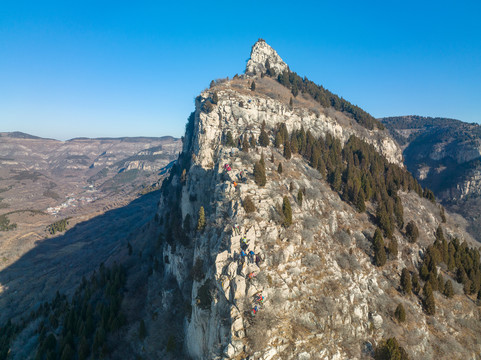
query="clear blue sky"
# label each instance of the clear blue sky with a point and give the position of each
(100, 68)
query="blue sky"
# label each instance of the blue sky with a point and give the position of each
(100, 68)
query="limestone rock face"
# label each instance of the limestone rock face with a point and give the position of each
(262, 52)
(309, 291)
(243, 113)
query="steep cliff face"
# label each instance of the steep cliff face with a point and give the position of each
(310, 291)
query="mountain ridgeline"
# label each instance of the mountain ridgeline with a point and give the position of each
(287, 228)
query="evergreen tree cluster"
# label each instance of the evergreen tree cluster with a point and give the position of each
(327, 99)
(356, 170)
(94, 312)
(8, 331)
(58, 226)
(412, 232)
(390, 350)
(461, 261)
(78, 328)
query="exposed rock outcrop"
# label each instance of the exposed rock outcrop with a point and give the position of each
(261, 55)
(309, 291)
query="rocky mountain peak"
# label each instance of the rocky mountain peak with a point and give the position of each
(264, 58)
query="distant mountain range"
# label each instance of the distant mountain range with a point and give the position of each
(22, 135)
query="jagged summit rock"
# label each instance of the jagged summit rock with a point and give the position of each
(262, 54)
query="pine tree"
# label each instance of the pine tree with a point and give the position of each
(336, 179)
(278, 140)
(229, 140)
(400, 313)
(406, 284)
(279, 168)
(252, 141)
(415, 283)
(384, 220)
(248, 204)
(201, 222)
(291, 186)
(287, 211)
(441, 284)
(378, 246)
(287, 150)
(260, 174)
(428, 299)
(299, 197)
(412, 231)
(390, 350)
(290, 103)
(393, 248)
(215, 98)
(424, 272)
(399, 212)
(253, 86)
(361, 202)
(439, 233)
(263, 137)
(294, 145)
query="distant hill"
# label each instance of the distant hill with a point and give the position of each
(445, 155)
(19, 135)
(129, 139)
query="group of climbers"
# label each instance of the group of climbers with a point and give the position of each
(241, 178)
(251, 256)
(258, 298)
(258, 302)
